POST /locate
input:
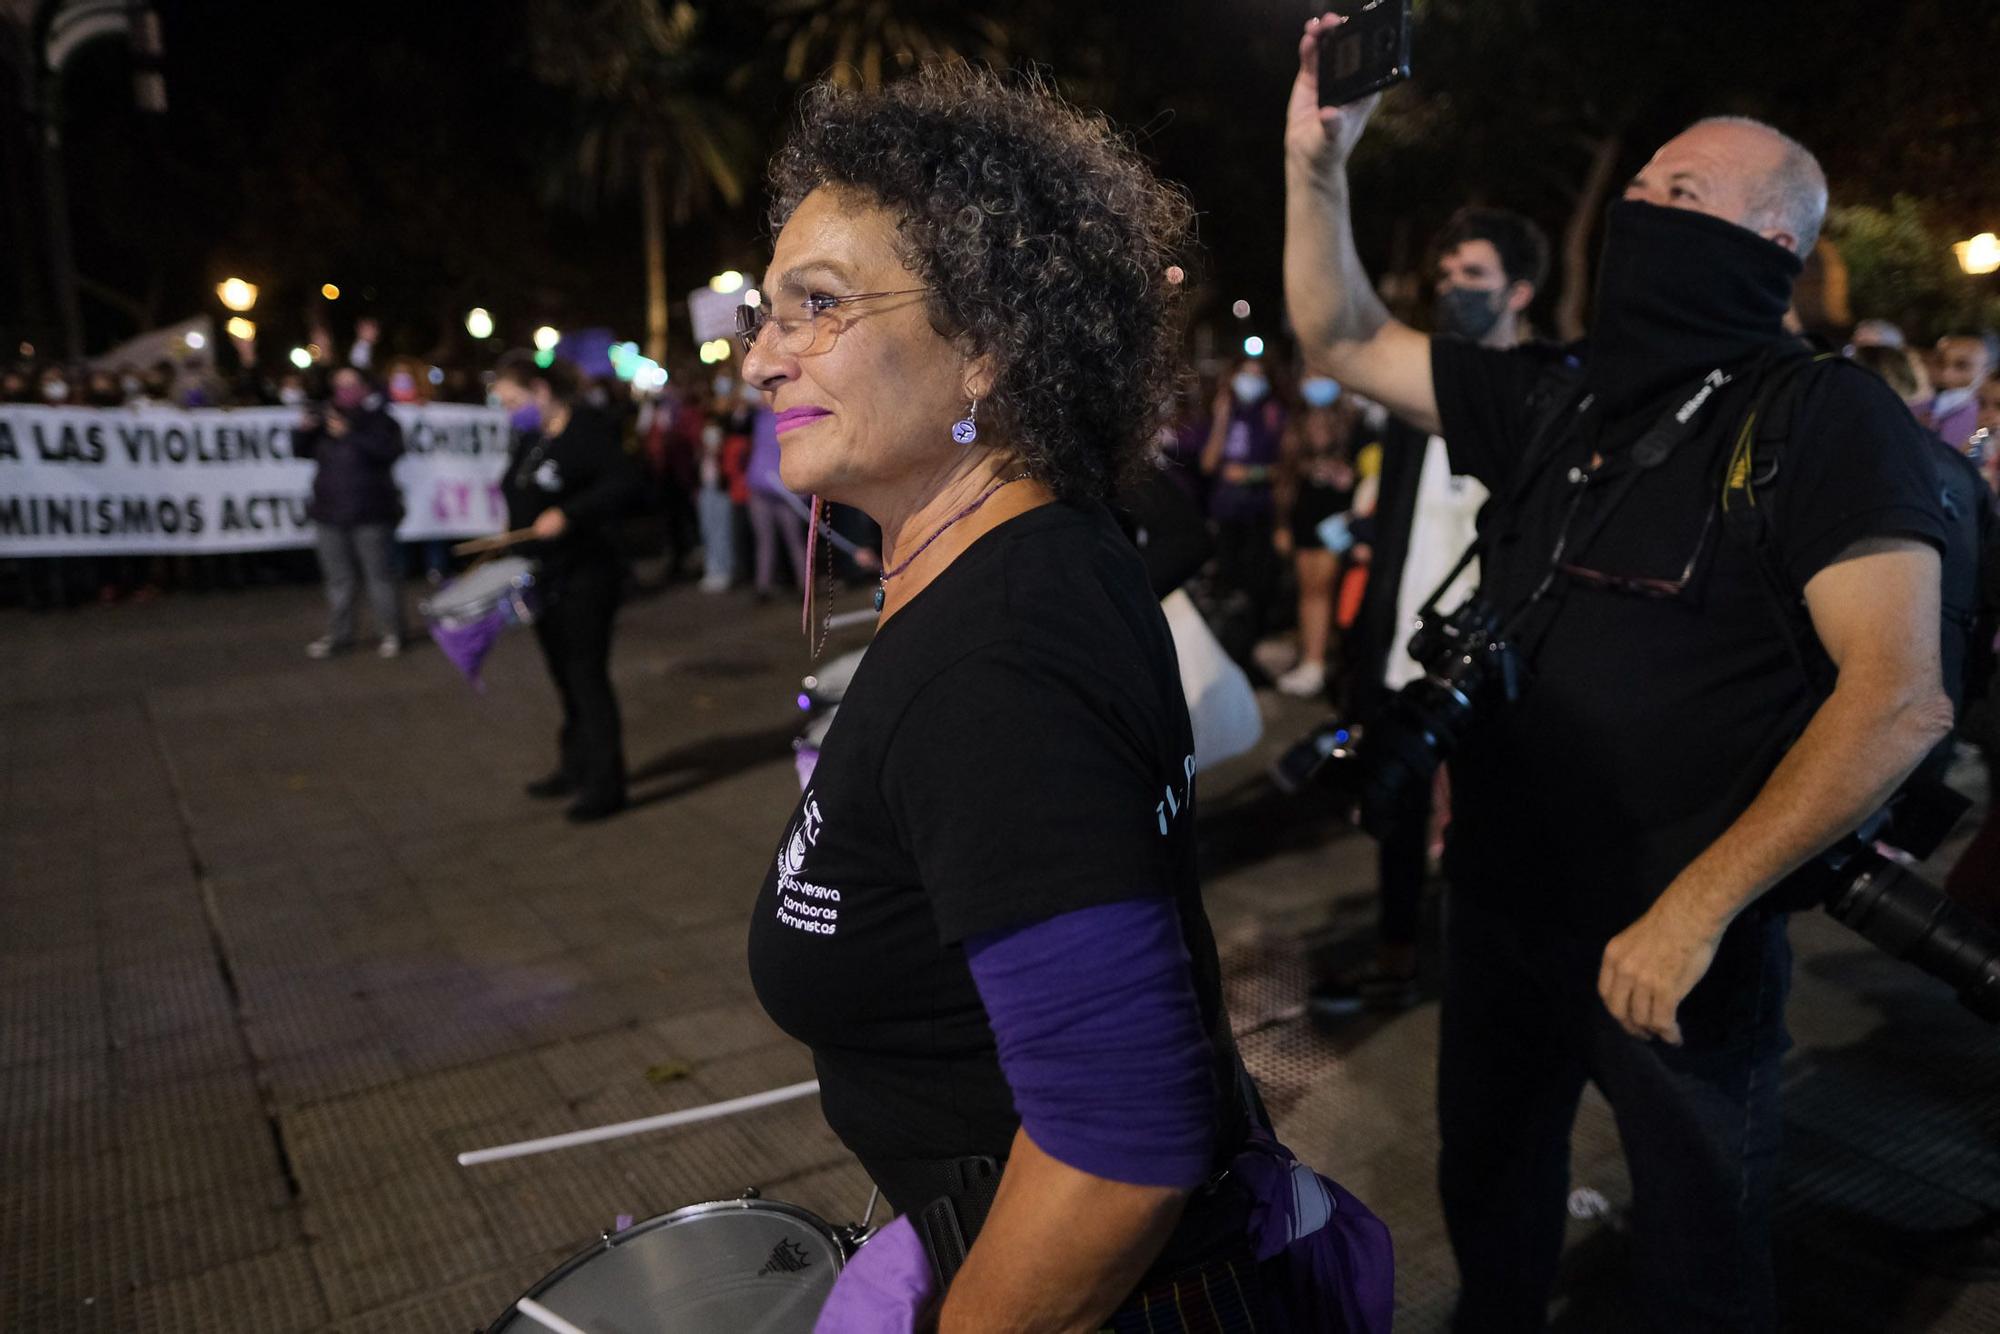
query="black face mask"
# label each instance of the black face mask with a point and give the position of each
(1680, 293)
(1468, 312)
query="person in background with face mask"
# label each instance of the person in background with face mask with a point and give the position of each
(1662, 765)
(1244, 437)
(569, 479)
(355, 508)
(1959, 366)
(1489, 265)
(54, 386)
(1315, 481)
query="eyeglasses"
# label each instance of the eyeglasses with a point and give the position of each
(1641, 586)
(815, 331)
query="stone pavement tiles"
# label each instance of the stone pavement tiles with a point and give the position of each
(278, 939)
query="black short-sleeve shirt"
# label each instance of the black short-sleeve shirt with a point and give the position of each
(1647, 725)
(1014, 745)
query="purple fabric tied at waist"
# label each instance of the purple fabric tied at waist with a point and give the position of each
(1328, 1260)
(1327, 1263)
(887, 1288)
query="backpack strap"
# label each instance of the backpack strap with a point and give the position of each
(1755, 462)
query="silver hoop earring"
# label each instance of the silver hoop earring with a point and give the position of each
(966, 430)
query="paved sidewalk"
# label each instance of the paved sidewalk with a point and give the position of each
(279, 938)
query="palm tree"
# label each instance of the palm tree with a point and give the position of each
(652, 115)
(857, 42)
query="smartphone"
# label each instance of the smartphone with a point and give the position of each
(1369, 52)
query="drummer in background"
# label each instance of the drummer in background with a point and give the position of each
(569, 478)
(984, 917)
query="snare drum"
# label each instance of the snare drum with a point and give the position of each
(505, 585)
(745, 1264)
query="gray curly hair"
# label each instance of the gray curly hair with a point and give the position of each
(1046, 243)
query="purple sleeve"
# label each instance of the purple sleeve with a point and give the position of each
(1101, 1040)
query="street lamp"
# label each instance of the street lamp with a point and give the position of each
(729, 280)
(301, 358)
(236, 294)
(479, 322)
(1980, 255)
(546, 338)
(1253, 346)
(241, 330)
(329, 291)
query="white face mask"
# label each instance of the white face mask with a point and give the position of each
(131, 384)
(291, 395)
(55, 391)
(493, 399)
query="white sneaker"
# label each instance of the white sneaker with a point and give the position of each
(714, 583)
(323, 647)
(1303, 681)
(390, 647)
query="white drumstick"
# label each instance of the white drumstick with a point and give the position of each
(541, 1314)
(665, 1121)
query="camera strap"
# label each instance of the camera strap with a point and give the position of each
(1660, 442)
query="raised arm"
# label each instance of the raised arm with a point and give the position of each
(1343, 328)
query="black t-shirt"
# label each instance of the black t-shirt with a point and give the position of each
(1015, 745)
(1647, 725)
(586, 473)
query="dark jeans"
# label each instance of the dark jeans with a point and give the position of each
(1246, 573)
(1522, 1030)
(574, 628)
(1402, 857)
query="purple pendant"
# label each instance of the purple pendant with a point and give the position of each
(964, 432)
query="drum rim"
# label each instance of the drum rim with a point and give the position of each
(522, 575)
(796, 1213)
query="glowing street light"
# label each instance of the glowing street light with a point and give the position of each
(1253, 346)
(1980, 255)
(729, 280)
(195, 341)
(329, 291)
(241, 330)
(546, 338)
(1241, 310)
(236, 294)
(753, 298)
(479, 322)
(714, 350)
(301, 358)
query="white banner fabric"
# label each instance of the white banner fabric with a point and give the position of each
(158, 480)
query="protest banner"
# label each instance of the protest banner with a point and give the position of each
(159, 480)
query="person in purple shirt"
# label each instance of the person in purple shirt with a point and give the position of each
(1959, 365)
(1245, 440)
(983, 916)
(774, 511)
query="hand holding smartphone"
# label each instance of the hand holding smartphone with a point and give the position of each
(1364, 54)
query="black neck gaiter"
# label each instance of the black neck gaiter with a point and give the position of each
(1680, 293)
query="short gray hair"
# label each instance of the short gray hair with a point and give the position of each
(1792, 196)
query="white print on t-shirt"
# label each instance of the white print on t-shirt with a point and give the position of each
(1168, 810)
(549, 476)
(803, 905)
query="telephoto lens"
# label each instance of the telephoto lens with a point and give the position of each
(1911, 919)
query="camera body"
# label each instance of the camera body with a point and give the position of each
(1380, 765)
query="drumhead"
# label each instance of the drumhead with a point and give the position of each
(480, 589)
(733, 1265)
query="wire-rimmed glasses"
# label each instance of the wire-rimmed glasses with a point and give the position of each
(813, 331)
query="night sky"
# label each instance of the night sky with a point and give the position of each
(409, 153)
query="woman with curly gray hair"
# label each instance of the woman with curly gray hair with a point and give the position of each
(984, 918)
